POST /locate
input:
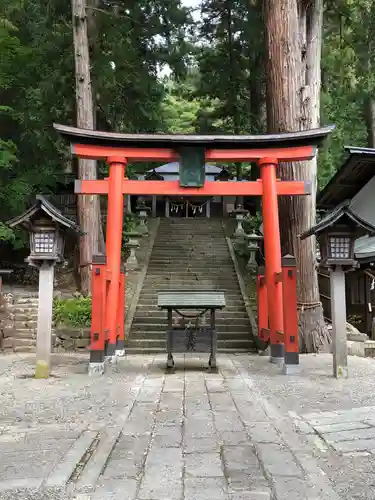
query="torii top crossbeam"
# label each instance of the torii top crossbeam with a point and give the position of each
(92, 144)
(287, 146)
(192, 151)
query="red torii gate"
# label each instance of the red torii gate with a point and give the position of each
(120, 149)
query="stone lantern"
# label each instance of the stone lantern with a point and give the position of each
(132, 244)
(46, 226)
(240, 214)
(142, 210)
(336, 234)
(253, 242)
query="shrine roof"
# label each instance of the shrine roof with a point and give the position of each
(313, 137)
(341, 211)
(42, 204)
(352, 176)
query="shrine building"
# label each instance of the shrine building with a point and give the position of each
(193, 206)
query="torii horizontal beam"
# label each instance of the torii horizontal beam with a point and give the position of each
(210, 188)
(90, 151)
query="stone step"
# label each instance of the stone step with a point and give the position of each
(146, 302)
(33, 316)
(209, 270)
(152, 295)
(161, 327)
(197, 260)
(189, 245)
(25, 301)
(22, 334)
(186, 248)
(23, 328)
(158, 350)
(187, 272)
(158, 315)
(20, 325)
(197, 227)
(234, 310)
(137, 342)
(17, 310)
(13, 342)
(186, 257)
(202, 229)
(208, 284)
(176, 266)
(222, 335)
(184, 284)
(196, 279)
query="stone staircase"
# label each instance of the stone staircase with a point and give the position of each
(190, 254)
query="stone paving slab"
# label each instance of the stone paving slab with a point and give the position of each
(140, 434)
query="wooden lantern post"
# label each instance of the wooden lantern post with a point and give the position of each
(336, 234)
(46, 227)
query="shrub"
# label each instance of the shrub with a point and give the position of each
(75, 312)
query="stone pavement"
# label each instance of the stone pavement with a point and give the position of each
(245, 433)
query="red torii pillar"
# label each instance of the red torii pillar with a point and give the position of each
(114, 148)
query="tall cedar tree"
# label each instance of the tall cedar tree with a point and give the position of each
(293, 37)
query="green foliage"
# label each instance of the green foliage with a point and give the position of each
(216, 83)
(130, 41)
(6, 234)
(348, 78)
(252, 223)
(75, 312)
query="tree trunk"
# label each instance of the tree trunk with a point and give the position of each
(293, 38)
(370, 121)
(88, 206)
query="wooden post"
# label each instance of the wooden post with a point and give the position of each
(273, 256)
(44, 328)
(153, 205)
(208, 209)
(291, 354)
(114, 240)
(338, 309)
(167, 207)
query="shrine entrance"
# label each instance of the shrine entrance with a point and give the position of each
(192, 151)
(189, 208)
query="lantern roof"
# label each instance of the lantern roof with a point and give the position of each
(43, 205)
(342, 211)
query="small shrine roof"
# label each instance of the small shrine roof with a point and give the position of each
(42, 204)
(342, 210)
(357, 170)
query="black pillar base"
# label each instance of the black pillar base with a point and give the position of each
(110, 350)
(277, 353)
(96, 356)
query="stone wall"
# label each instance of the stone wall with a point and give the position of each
(18, 323)
(71, 339)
